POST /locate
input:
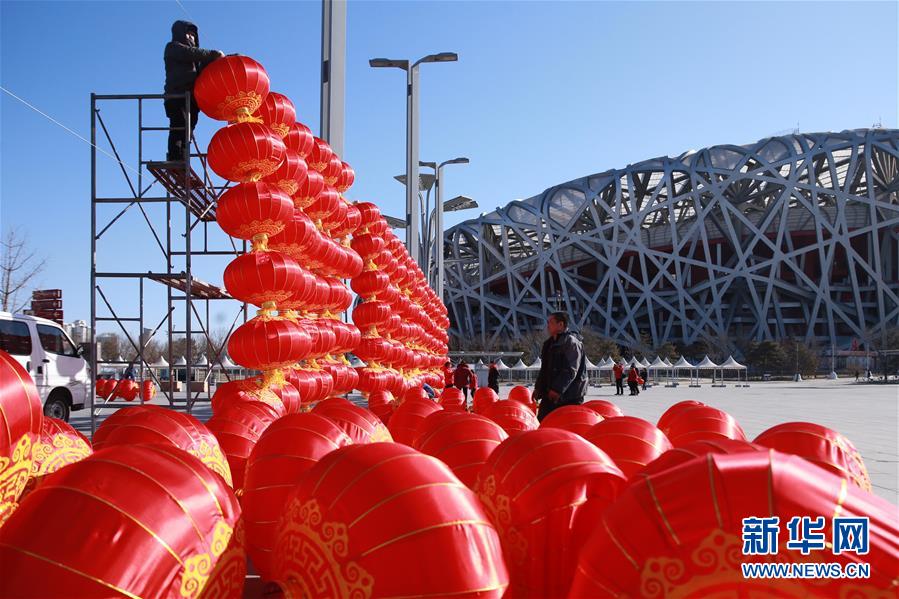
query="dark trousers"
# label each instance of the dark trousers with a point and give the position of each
(174, 109)
(495, 387)
(635, 389)
(619, 386)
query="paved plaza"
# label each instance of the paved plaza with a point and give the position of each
(868, 414)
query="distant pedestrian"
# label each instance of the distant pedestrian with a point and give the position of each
(856, 375)
(129, 372)
(618, 373)
(493, 377)
(644, 375)
(448, 375)
(562, 379)
(632, 380)
(463, 378)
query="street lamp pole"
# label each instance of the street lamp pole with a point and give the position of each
(412, 230)
(438, 245)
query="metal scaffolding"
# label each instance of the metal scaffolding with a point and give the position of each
(190, 195)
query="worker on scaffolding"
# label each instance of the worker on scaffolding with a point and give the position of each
(184, 59)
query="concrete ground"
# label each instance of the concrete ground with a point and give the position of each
(867, 413)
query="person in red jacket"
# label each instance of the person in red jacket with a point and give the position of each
(633, 380)
(448, 375)
(464, 379)
(618, 373)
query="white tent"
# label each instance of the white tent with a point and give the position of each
(706, 364)
(519, 365)
(731, 364)
(479, 363)
(667, 363)
(590, 365)
(658, 364)
(606, 364)
(228, 364)
(181, 361)
(644, 363)
(682, 364)
(201, 361)
(500, 365)
(160, 363)
(536, 365)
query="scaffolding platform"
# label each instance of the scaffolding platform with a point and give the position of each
(188, 188)
(199, 289)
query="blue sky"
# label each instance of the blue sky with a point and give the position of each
(544, 92)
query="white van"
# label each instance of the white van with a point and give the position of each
(44, 349)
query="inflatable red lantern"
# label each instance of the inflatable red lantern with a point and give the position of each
(298, 239)
(651, 538)
(462, 441)
(514, 417)
(21, 422)
(703, 423)
(262, 277)
(291, 174)
(165, 528)
(159, 425)
(59, 445)
(407, 419)
(245, 152)
(320, 155)
(286, 450)
(278, 112)
(254, 211)
(231, 88)
(251, 389)
(381, 404)
(671, 413)
(576, 418)
(544, 489)
(266, 343)
(237, 429)
(333, 171)
(630, 442)
(821, 446)
(309, 190)
(361, 425)
(678, 455)
(483, 398)
(347, 177)
(604, 408)
(299, 138)
(365, 509)
(452, 399)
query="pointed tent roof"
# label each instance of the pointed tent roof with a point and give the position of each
(683, 363)
(667, 363)
(480, 362)
(607, 365)
(644, 363)
(590, 365)
(536, 365)
(201, 361)
(706, 364)
(658, 363)
(519, 365)
(500, 365)
(732, 364)
(181, 361)
(227, 363)
(160, 363)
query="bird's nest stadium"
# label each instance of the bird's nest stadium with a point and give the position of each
(793, 236)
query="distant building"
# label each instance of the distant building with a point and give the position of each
(78, 331)
(792, 236)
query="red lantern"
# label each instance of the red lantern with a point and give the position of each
(244, 390)
(147, 391)
(254, 209)
(652, 538)
(514, 417)
(266, 343)
(361, 425)
(407, 419)
(604, 408)
(703, 423)
(151, 521)
(291, 175)
(483, 398)
(671, 413)
(21, 422)
(309, 190)
(577, 419)
(370, 315)
(453, 400)
(821, 446)
(630, 442)
(320, 155)
(347, 177)
(370, 284)
(324, 204)
(237, 429)
(462, 441)
(333, 221)
(333, 171)
(298, 238)
(278, 112)
(127, 390)
(231, 88)
(381, 404)
(364, 509)
(245, 152)
(59, 445)
(350, 223)
(520, 394)
(678, 455)
(416, 393)
(543, 490)
(262, 277)
(158, 425)
(286, 450)
(299, 138)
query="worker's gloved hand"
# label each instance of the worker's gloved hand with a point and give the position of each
(219, 54)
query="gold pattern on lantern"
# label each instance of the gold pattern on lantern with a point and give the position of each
(244, 104)
(315, 552)
(14, 474)
(212, 458)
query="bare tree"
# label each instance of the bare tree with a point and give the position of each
(19, 265)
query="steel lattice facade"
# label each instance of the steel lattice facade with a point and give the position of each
(794, 236)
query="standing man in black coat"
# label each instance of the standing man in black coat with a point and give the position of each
(493, 377)
(562, 379)
(184, 60)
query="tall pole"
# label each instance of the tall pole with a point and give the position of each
(412, 183)
(438, 244)
(331, 127)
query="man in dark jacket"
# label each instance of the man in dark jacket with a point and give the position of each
(464, 378)
(184, 60)
(562, 379)
(493, 377)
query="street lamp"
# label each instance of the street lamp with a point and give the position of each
(412, 134)
(440, 207)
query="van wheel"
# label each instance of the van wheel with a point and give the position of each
(56, 406)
